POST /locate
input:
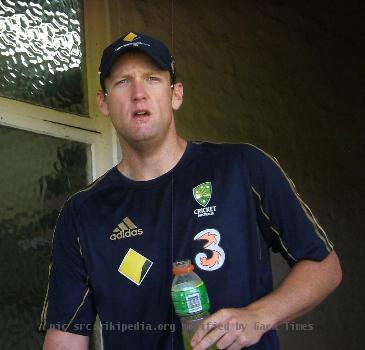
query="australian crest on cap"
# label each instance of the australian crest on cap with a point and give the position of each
(130, 37)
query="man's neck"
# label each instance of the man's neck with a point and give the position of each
(147, 163)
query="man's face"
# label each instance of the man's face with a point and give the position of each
(140, 100)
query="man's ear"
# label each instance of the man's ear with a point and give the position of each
(177, 96)
(102, 103)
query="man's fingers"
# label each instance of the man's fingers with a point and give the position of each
(233, 332)
(239, 343)
(207, 325)
(235, 346)
(201, 332)
(210, 339)
(227, 340)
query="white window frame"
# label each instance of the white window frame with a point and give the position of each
(94, 130)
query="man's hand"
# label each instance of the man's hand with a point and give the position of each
(230, 329)
(306, 285)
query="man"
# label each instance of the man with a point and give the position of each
(222, 206)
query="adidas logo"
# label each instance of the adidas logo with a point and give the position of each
(125, 229)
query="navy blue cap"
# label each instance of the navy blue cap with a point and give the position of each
(152, 47)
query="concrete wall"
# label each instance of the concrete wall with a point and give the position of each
(287, 76)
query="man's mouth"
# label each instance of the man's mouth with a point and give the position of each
(141, 113)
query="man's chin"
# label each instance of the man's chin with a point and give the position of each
(141, 140)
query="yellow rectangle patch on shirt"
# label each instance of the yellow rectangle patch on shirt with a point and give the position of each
(135, 266)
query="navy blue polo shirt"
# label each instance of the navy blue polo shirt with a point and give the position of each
(222, 206)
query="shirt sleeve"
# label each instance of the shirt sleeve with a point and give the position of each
(68, 304)
(286, 222)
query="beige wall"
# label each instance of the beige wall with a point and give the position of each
(287, 78)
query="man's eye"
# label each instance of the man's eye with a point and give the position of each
(121, 82)
(153, 78)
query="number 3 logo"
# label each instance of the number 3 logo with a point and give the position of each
(213, 237)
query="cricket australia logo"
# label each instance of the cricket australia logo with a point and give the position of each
(202, 194)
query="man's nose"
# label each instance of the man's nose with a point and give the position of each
(138, 90)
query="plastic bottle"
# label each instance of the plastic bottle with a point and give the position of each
(190, 299)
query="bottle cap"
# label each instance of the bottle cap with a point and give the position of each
(182, 266)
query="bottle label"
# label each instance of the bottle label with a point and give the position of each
(190, 301)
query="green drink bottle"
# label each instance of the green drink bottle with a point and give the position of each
(190, 299)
